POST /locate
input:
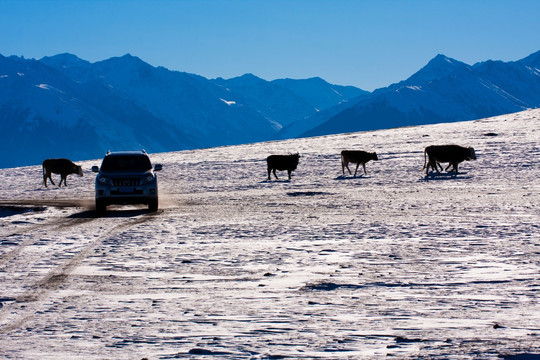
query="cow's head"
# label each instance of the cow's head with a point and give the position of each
(374, 156)
(78, 168)
(472, 154)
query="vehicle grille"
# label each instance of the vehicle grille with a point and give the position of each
(127, 193)
(127, 182)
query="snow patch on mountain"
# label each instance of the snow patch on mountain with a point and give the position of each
(228, 102)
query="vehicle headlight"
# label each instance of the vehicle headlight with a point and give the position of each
(148, 179)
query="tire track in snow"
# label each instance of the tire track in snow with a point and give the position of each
(54, 225)
(57, 203)
(31, 300)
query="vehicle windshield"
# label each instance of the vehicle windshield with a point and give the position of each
(126, 163)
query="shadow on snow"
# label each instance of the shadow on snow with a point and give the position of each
(111, 213)
(434, 176)
(351, 177)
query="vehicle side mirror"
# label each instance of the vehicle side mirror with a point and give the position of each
(95, 169)
(158, 167)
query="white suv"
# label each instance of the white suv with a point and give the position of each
(126, 177)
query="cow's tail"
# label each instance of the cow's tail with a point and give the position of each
(425, 160)
(44, 173)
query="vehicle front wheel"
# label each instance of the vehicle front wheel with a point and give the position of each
(101, 207)
(153, 205)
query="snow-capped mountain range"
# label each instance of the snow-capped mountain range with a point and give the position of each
(445, 90)
(64, 106)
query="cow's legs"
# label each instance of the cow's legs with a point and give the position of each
(364, 166)
(454, 165)
(356, 170)
(44, 179)
(50, 178)
(345, 165)
(427, 163)
(431, 164)
(274, 171)
(62, 178)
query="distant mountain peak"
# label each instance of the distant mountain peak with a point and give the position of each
(127, 59)
(438, 67)
(315, 79)
(441, 58)
(129, 56)
(246, 79)
(250, 77)
(64, 60)
(532, 60)
(66, 56)
(441, 62)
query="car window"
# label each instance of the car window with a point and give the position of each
(126, 163)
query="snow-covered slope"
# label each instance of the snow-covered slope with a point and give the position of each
(322, 266)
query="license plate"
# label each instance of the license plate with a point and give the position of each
(125, 190)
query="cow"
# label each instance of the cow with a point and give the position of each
(282, 163)
(452, 154)
(357, 157)
(64, 167)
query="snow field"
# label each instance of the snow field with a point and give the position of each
(322, 266)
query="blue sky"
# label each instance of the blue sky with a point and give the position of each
(368, 44)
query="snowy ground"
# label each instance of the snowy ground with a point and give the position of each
(322, 266)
